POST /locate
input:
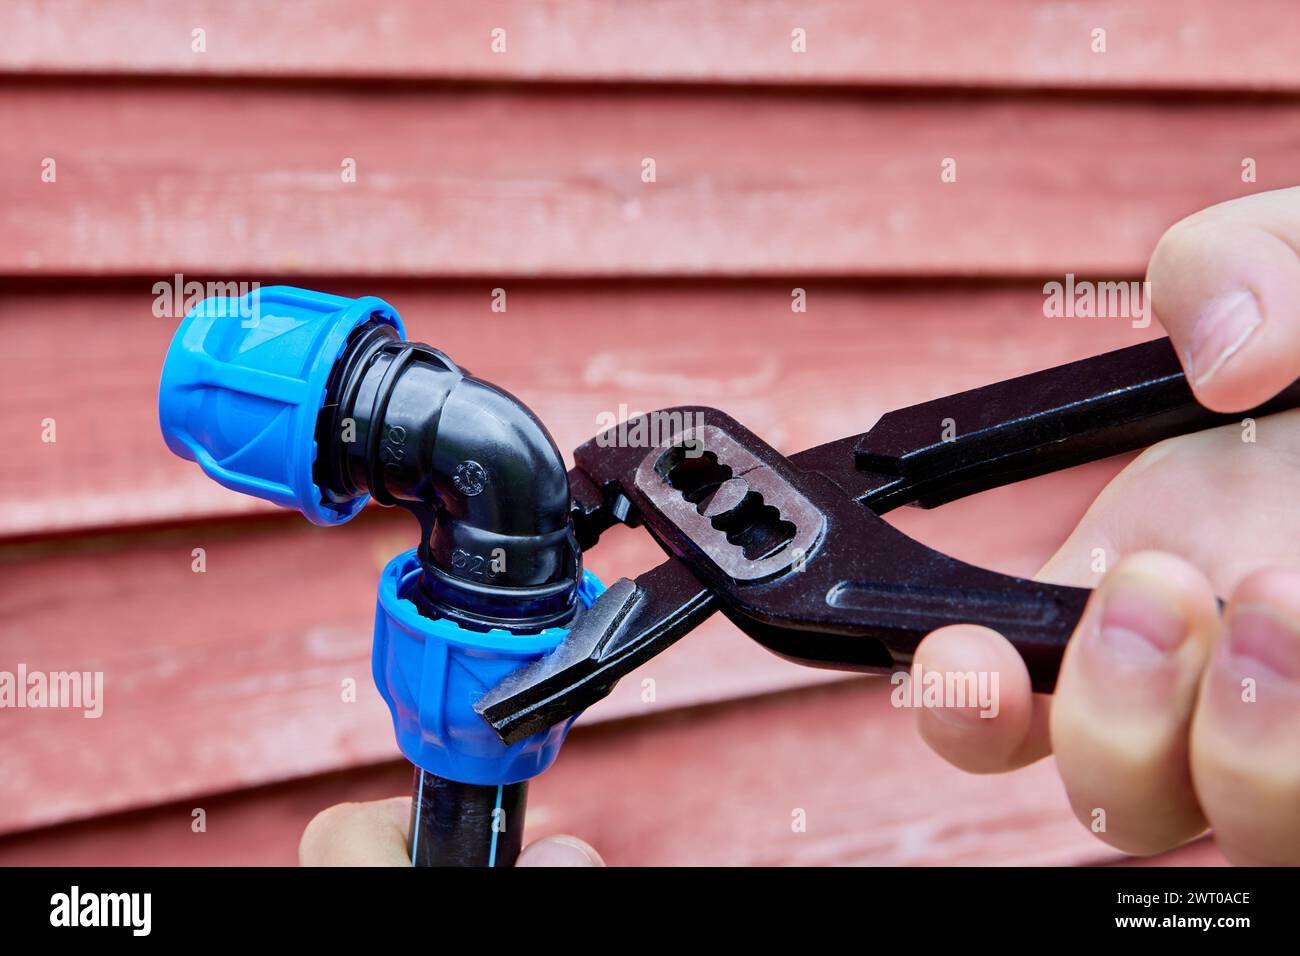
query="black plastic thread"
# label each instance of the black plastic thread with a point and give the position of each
(474, 465)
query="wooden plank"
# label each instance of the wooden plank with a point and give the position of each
(709, 786)
(234, 677)
(1161, 44)
(90, 359)
(153, 180)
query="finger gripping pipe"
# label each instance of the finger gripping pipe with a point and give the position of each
(318, 402)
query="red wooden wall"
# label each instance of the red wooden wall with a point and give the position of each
(522, 171)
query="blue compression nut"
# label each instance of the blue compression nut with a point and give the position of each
(431, 672)
(243, 383)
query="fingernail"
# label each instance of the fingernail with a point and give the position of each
(1138, 626)
(1266, 640)
(559, 851)
(1225, 324)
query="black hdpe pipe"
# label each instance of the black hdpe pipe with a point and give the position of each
(465, 824)
(402, 422)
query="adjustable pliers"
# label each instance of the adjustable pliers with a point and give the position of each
(794, 551)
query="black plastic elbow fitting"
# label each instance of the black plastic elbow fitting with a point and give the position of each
(404, 423)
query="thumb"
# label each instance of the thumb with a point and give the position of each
(1225, 284)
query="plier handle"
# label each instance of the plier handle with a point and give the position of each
(794, 550)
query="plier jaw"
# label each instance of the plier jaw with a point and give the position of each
(794, 551)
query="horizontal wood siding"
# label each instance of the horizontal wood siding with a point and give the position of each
(90, 360)
(153, 180)
(1155, 44)
(523, 171)
(717, 786)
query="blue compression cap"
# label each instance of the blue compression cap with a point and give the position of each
(242, 385)
(431, 672)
